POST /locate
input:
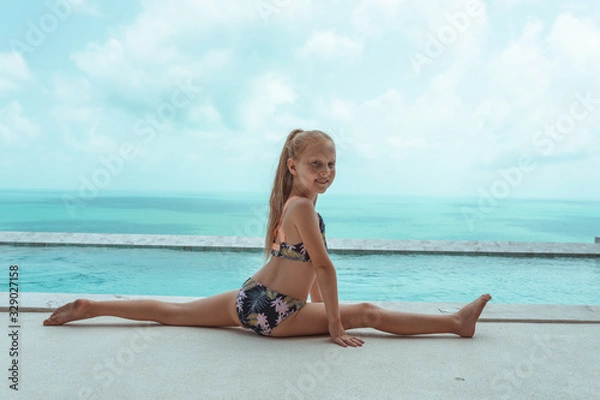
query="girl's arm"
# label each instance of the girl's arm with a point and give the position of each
(327, 279)
(307, 223)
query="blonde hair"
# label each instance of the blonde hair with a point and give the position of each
(295, 144)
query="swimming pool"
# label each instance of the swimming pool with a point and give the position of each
(379, 277)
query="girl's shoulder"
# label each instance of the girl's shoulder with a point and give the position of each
(299, 206)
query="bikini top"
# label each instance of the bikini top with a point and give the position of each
(294, 252)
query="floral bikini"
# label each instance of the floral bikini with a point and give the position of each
(294, 252)
(262, 309)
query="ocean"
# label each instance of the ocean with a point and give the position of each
(362, 217)
(361, 277)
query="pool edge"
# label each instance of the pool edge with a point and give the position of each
(356, 246)
(503, 313)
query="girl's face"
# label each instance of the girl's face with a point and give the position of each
(314, 171)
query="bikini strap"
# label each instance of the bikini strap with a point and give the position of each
(278, 231)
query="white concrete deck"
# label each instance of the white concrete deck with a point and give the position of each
(110, 358)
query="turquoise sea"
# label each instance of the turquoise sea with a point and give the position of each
(386, 277)
(373, 217)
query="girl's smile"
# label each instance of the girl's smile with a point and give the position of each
(315, 170)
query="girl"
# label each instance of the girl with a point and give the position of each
(273, 302)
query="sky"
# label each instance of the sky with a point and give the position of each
(480, 99)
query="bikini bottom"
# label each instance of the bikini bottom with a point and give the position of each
(262, 309)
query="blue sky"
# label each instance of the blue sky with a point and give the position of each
(431, 98)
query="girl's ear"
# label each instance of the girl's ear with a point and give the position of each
(291, 164)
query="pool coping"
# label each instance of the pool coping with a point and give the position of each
(336, 245)
(506, 313)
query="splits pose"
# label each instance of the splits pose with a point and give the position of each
(274, 301)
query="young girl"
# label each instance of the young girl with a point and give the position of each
(273, 302)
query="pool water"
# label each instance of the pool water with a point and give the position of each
(379, 277)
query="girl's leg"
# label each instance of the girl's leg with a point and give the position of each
(216, 310)
(312, 320)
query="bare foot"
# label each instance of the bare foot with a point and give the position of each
(469, 314)
(69, 312)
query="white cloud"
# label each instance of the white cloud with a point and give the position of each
(13, 65)
(493, 110)
(162, 41)
(389, 126)
(473, 111)
(441, 102)
(16, 129)
(71, 89)
(328, 45)
(340, 109)
(527, 91)
(152, 34)
(210, 62)
(521, 73)
(268, 93)
(13, 71)
(88, 140)
(86, 7)
(58, 156)
(374, 17)
(442, 32)
(205, 114)
(577, 40)
(68, 113)
(413, 143)
(414, 19)
(287, 13)
(513, 3)
(395, 140)
(109, 61)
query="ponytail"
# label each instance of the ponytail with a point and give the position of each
(294, 146)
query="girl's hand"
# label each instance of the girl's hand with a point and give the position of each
(339, 336)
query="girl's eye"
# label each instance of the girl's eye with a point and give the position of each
(316, 163)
